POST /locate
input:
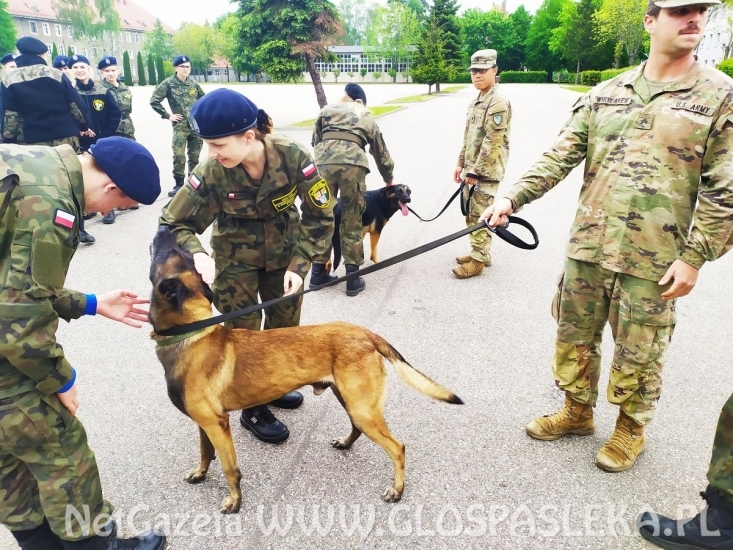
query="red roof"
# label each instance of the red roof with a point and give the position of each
(132, 16)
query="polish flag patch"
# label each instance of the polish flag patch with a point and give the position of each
(309, 170)
(231, 195)
(194, 181)
(64, 219)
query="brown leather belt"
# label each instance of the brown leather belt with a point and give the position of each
(344, 136)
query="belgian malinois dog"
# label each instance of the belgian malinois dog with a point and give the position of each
(219, 369)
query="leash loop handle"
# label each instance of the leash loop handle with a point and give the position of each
(503, 233)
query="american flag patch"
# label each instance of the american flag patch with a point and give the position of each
(64, 219)
(194, 181)
(309, 170)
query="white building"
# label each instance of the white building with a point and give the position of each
(717, 35)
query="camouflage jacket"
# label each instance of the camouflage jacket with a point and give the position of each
(123, 97)
(485, 150)
(257, 222)
(358, 121)
(41, 203)
(648, 161)
(181, 96)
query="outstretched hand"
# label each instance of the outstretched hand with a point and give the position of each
(120, 305)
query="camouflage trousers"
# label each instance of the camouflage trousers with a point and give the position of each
(46, 466)
(720, 473)
(350, 182)
(482, 198)
(238, 285)
(183, 137)
(641, 323)
(71, 140)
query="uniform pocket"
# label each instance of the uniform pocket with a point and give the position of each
(49, 263)
(557, 298)
(20, 254)
(645, 336)
(32, 421)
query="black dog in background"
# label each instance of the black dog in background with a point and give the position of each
(381, 205)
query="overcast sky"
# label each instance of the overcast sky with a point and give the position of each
(175, 12)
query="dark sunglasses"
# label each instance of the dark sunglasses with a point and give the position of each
(479, 71)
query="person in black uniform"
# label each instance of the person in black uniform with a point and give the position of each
(61, 62)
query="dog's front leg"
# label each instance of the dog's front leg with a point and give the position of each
(220, 435)
(208, 454)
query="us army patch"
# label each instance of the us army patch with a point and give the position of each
(320, 194)
(498, 119)
(64, 219)
(701, 109)
(194, 181)
(98, 104)
(286, 201)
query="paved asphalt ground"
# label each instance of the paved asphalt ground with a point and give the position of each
(474, 479)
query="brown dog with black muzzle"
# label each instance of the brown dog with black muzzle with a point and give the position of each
(219, 369)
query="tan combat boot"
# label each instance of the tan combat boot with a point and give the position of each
(627, 442)
(575, 418)
(470, 269)
(460, 260)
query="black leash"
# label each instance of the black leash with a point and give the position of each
(464, 204)
(502, 232)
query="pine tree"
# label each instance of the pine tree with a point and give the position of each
(54, 52)
(443, 12)
(160, 69)
(69, 53)
(126, 68)
(140, 70)
(151, 70)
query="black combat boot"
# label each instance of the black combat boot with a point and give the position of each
(291, 400)
(40, 538)
(263, 424)
(179, 184)
(109, 218)
(84, 237)
(319, 275)
(711, 529)
(356, 285)
(149, 540)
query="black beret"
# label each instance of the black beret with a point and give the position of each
(60, 61)
(354, 91)
(78, 58)
(181, 59)
(31, 45)
(130, 166)
(107, 61)
(7, 58)
(223, 112)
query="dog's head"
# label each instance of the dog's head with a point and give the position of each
(180, 295)
(398, 197)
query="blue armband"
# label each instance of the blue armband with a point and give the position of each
(91, 308)
(70, 383)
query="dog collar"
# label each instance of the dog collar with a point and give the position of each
(175, 339)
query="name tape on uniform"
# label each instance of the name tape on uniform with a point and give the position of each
(286, 201)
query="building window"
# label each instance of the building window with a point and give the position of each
(95, 52)
(73, 49)
(128, 35)
(137, 37)
(46, 29)
(59, 30)
(33, 27)
(49, 48)
(70, 31)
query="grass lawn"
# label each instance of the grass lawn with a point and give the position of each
(579, 89)
(425, 97)
(451, 89)
(379, 110)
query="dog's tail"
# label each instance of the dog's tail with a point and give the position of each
(413, 377)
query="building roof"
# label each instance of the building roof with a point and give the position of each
(132, 16)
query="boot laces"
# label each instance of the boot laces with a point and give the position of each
(623, 439)
(263, 416)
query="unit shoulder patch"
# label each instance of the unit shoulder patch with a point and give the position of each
(320, 194)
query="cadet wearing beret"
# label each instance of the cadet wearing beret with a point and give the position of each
(122, 94)
(261, 245)
(46, 462)
(342, 132)
(8, 62)
(181, 92)
(61, 62)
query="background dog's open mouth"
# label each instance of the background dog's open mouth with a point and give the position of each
(403, 207)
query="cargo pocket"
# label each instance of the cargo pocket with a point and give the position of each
(31, 421)
(555, 305)
(184, 206)
(645, 336)
(49, 261)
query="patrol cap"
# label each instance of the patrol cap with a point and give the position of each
(180, 60)
(78, 58)
(130, 166)
(7, 58)
(483, 59)
(221, 113)
(107, 61)
(354, 91)
(60, 61)
(680, 3)
(31, 45)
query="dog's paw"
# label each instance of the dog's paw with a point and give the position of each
(340, 443)
(230, 505)
(195, 476)
(391, 495)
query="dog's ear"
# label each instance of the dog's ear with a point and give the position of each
(174, 291)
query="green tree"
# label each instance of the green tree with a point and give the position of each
(419, 7)
(538, 53)
(7, 29)
(376, 76)
(363, 73)
(392, 34)
(69, 53)
(481, 30)
(227, 31)
(285, 40)
(430, 64)
(354, 14)
(159, 69)
(158, 42)
(623, 21)
(141, 70)
(151, 70)
(126, 68)
(54, 50)
(197, 42)
(93, 20)
(336, 74)
(514, 58)
(443, 12)
(574, 39)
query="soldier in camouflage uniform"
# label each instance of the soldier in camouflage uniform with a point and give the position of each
(181, 92)
(249, 185)
(656, 140)
(713, 527)
(121, 93)
(483, 157)
(46, 464)
(340, 137)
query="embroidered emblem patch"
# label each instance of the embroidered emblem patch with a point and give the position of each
(127, 96)
(64, 219)
(498, 119)
(320, 194)
(286, 201)
(192, 92)
(98, 104)
(309, 170)
(194, 181)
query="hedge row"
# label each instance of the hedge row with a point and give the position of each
(608, 74)
(523, 77)
(590, 78)
(726, 66)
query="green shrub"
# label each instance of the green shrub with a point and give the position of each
(726, 66)
(608, 74)
(590, 78)
(461, 77)
(523, 77)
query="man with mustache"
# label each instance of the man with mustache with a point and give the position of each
(656, 204)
